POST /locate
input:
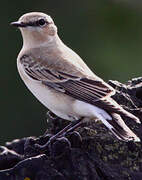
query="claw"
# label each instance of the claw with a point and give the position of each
(71, 127)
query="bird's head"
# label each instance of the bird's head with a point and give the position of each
(36, 27)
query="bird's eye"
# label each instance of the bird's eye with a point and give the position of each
(41, 22)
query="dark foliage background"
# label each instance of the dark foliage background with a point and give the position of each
(106, 34)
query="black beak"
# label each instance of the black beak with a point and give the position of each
(18, 24)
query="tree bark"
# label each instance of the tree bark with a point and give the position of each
(92, 153)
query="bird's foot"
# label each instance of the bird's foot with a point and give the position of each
(61, 134)
(46, 146)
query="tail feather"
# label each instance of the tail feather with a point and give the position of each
(112, 106)
(118, 127)
(121, 130)
(125, 113)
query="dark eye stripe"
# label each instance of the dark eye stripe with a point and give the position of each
(35, 23)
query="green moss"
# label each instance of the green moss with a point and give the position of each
(114, 152)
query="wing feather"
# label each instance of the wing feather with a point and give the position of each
(81, 88)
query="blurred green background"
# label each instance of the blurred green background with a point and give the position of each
(106, 34)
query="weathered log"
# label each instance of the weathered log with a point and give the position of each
(92, 154)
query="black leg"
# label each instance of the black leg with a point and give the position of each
(73, 128)
(73, 125)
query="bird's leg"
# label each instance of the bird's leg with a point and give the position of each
(73, 128)
(73, 125)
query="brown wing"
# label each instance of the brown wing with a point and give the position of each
(81, 88)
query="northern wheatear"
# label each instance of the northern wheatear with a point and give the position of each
(61, 80)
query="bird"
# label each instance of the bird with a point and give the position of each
(61, 80)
